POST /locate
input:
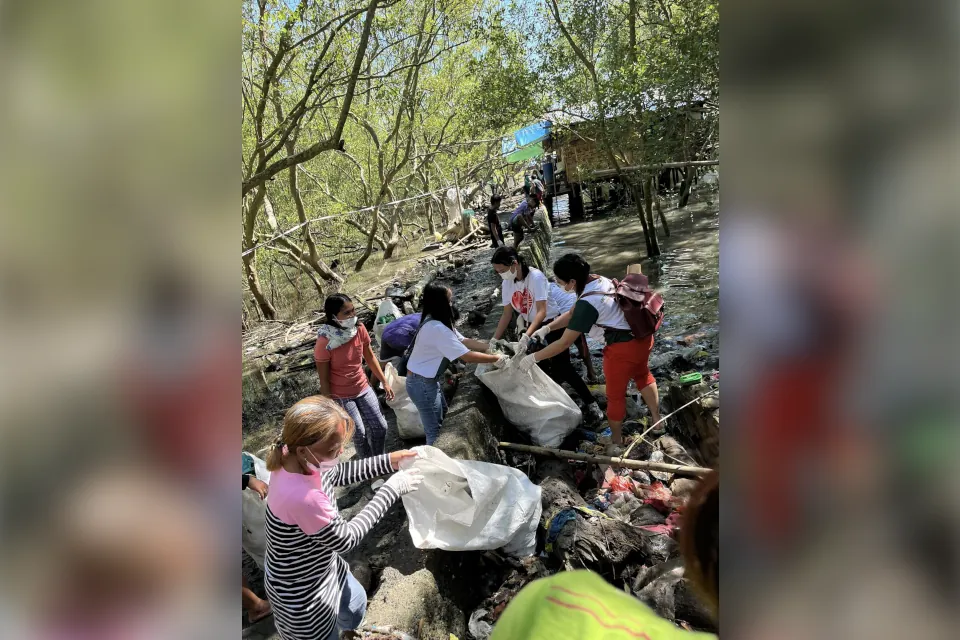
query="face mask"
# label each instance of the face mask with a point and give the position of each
(349, 323)
(507, 275)
(572, 289)
(318, 467)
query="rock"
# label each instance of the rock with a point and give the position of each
(640, 476)
(415, 605)
(657, 456)
(364, 575)
(476, 318)
(683, 487)
(407, 308)
(473, 424)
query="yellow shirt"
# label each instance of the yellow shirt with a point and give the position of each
(582, 605)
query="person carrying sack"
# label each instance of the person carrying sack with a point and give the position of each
(527, 291)
(598, 313)
(312, 592)
(436, 344)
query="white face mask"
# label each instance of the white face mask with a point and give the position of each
(507, 275)
(572, 289)
(349, 323)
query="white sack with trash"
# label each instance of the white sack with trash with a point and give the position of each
(408, 418)
(254, 518)
(387, 312)
(466, 505)
(538, 406)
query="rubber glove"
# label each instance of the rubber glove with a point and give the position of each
(541, 333)
(405, 481)
(501, 363)
(528, 363)
(495, 345)
(524, 343)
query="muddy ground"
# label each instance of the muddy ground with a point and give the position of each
(431, 594)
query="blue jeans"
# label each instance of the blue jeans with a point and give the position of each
(427, 396)
(353, 606)
(371, 427)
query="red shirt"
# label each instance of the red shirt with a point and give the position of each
(347, 379)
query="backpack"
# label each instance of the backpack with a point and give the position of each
(641, 306)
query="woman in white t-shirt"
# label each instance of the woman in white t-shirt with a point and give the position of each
(437, 343)
(596, 313)
(527, 291)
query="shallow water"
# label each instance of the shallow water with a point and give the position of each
(687, 271)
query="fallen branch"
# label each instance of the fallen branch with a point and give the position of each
(679, 469)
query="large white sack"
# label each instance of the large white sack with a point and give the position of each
(408, 418)
(387, 312)
(533, 402)
(465, 505)
(254, 538)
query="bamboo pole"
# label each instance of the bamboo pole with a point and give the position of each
(679, 469)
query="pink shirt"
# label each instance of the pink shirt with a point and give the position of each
(298, 500)
(347, 379)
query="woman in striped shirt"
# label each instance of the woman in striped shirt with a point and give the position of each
(310, 587)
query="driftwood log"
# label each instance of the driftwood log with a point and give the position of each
(600, 544)
(626, 463)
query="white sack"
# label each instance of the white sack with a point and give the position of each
(408, 418)
(537, 405)
(387, 312)
(254, 538)
(465, 505)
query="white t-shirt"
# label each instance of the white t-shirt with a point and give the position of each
(563, 299)
(434, 343)
(523, 295)
(610, 315)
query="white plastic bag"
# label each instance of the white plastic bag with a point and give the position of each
(254, 538)
(533, 402)
(408, 418)
(387, 312)
(465, 505)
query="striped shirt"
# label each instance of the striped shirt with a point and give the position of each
(305, 574)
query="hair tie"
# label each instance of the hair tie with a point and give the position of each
(278, 443)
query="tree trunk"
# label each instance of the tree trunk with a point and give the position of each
(374, 226)
(638, 202)
(428, 212)
(253, 281)
(685, 187)
(313, 256)
(656, 200)
(250, 259)
(648, 206)
(394, 238)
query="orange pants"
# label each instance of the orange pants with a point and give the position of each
(622, 362)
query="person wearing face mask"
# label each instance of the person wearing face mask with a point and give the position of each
(312, 593)
(342, 346)
(436, 344)
(597, 313)
(527, 291)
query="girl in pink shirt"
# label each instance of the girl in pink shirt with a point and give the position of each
(311, 590)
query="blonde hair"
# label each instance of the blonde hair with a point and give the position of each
(311, 420)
